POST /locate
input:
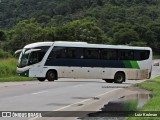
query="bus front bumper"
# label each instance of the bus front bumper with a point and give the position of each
(23, 71)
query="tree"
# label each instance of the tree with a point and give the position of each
(154, 36)
(80, 30)
(2, 35)
(125, 36)
(138, 43)
(62, 8)
(25, 32)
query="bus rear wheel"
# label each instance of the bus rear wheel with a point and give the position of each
(51, 75)
(119, 77)
(41, 79)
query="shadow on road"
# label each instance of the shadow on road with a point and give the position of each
(82, 81)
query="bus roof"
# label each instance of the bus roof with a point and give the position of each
(83, 44)
(38, 44)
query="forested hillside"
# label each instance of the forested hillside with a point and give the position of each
(129, 22)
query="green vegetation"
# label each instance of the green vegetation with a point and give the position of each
(156, 57)
(153, 104)
(131, 22)
(154, 86)
(8, 71)
(8, 67)
(15, 79)
(4, 54)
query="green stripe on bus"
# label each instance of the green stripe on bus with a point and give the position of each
(134, 64)
(127, 64)
(130, 64)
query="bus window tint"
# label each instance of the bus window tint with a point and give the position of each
(91, 53)
(126, 55)
(109, 54)
(144, 55)
(37, 56)
(65, 52)
(57, 52)
(141, 54)
(73, 53)
(61, 52)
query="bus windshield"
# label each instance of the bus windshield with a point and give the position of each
(34, 56)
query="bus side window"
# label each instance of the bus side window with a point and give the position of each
(71, 53)
(141, 54)
(61, 53)
(51, 55)
(144, 55)
(112, 55)
(57, 53)
(104, 54)
(136, 55)
(126, 55)
(130, 55)
(78, 53)
(91, 53)
(109, 54)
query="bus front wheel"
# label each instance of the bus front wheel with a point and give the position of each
(51, 75)
(41, 79)
(119, 77)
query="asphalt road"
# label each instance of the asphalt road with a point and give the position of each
(61, 95)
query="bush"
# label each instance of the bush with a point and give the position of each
(8, 67)
(4, 54)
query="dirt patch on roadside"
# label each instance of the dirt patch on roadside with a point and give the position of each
(137, 90)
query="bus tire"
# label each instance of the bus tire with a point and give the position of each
(119, 77)
(149, 75)
(109, 80)
(41, 79)
(51, 75)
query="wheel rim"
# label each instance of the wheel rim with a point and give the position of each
(119, 78)
(51, 75)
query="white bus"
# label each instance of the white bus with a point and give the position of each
(112, 63)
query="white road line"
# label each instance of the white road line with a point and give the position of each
(79, 102)
(85, 100)
(39, 92)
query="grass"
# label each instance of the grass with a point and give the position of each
(154, 103)
(8, 71)
(15, 79)
(156, 57)
(8, 67)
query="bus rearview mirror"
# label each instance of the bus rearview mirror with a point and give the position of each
(32, 50)
(18, 51)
